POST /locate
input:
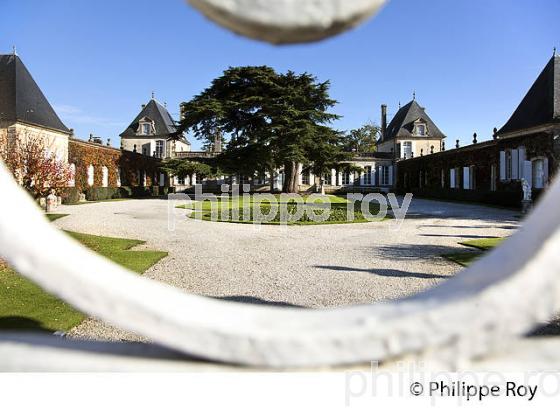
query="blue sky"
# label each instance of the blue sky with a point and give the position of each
(469, 61)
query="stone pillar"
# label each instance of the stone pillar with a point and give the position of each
(351, 178)
(361, 181)
(333, 177)
(299, 174)
(193, 179)
(339, 179)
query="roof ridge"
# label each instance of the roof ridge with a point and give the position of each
(541, 103)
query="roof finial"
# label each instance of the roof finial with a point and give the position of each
(14, 51)
(399, 105)
(414, 95)
(153, 95)
(554, 52)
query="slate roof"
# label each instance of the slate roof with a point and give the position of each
(163, 122)
(402, 123)
(541, 105)
(21, 99)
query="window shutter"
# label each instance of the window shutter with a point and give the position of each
(514, 164)
(390, 175)
(452, 178)
(522, 158)
(545, 171)
(502, 165)
(528, 172)
(466, 178)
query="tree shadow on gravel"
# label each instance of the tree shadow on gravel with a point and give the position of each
(510, 227)
(390, 273)
(256, 301)
(407, 252)
(435, 235)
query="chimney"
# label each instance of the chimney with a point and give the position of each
(181, 112)
(383, 121)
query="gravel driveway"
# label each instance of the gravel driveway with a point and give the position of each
(308, 266)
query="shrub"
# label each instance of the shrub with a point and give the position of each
(100, 193)
(123, 192)
(140, 192)
(70, 196)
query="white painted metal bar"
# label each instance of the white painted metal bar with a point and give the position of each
(503, 295)
(288, 21)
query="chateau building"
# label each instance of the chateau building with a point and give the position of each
(525, 151)
(151, 131)
(25, 111)
(410, 133)
(410, 157)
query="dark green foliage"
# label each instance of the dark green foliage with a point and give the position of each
(100, 194)
(272, 120)
(141, 192)
(70, 196)
(104, 194)
(124, 192)
(363, 139)
(182, 168)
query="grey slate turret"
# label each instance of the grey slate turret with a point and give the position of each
(21, 99)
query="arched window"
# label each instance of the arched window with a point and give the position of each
(90, 175)
(72, 179)
(105, 177)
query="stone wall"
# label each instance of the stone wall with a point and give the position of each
(54, 141)
(430, 175)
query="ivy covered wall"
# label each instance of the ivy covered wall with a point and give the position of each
(423, 176)
(132, 165)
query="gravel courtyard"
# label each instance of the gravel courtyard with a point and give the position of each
(307, 266)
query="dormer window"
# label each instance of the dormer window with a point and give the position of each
(145, 126)
(420, 129)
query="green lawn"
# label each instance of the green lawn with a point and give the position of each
(552, 328)
(23, 305)
(338, 210)
(101, 200)
(54, 217)
(481, 246)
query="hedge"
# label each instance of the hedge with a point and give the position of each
(103, 194)
(508, 198)
(70, 196)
